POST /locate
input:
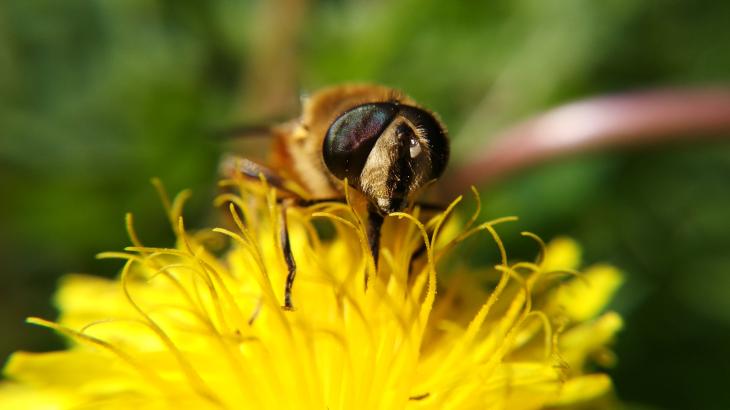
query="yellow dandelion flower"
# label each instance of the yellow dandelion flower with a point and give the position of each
(187, 328)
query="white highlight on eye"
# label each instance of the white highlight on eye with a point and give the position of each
(415, 147)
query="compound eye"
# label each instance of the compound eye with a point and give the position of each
(352, 136)
(432, 138)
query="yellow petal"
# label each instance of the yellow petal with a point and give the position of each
(584, 297)
(582, 388)
(66, 369)
(579, 342)
(184, 328)
(17, 396)
(561, 253)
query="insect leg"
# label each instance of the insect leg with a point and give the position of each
(232, 165)
(374, 224)
(253, 170)
(291, 265)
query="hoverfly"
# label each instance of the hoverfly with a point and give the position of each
(378, 139)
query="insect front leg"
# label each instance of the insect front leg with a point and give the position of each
(233, 165)
(291, 265)
(374, 225)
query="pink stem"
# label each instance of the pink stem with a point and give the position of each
(639, 118)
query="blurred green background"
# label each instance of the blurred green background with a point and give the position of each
(96, 97)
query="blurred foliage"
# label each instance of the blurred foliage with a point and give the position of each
(96, 97)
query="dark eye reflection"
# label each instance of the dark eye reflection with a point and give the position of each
(352, 136)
